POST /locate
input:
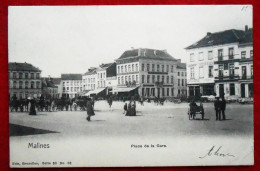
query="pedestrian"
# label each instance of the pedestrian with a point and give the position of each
(90, 110)
(32, 106)
(222, 108)
(217, 108)
(125, 108)
(110, 101)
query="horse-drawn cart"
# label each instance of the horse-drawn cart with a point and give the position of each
(194, 110)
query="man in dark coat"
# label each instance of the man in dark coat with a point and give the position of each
(32, 107)
(222, 108)
(217, 108)
(90, 110)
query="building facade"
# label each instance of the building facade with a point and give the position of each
(24, 80)
(89, 79)
(71, 85)
(49, 88)
(220, 64)
(181, 79)
(152, 72)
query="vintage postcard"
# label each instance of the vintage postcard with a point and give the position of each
(158, 85)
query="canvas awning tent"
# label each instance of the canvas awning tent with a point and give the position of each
(94, 91)
(123, 89)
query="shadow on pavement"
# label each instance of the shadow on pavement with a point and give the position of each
(19, 130)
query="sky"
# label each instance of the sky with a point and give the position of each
(71, 39)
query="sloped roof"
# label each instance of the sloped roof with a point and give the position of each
(56, 80)
(105, 65)
(71, 77)
(15, 66)
(151, 53)
(181, 65)
(218, 38)
(91, 71)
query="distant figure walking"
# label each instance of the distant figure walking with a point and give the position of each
(217, 108)
(222, 108)
(142, 100)
(131, 110)
(125, 108)
(32, 107)
(110, 101)
(90, 110)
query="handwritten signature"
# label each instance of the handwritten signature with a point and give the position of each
(214, 151)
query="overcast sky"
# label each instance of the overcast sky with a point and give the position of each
(70, 39)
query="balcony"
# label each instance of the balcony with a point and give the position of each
(246, 77)
(226, 78)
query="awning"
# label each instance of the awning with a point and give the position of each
(123, 89)
(94, 91)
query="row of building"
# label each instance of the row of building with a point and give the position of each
(219, 64)
(142, 72)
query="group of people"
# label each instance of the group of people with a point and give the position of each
(220, 107)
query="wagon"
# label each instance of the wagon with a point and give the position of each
(195, 110)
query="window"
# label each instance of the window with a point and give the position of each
(251, 53)
(32, 84)
(220, 71)
(14, 75)
(136, 67)
(32, 75)
(231, 53)
(172, 68)
(37, 75)
(129, 78)
(142, 67)
(118, 81)
(192, 58)
(210, 55)
(118, 69)
(167, 68)
(129, 68)
(232, 89)
(168, 91)
(153, 79)
(142, 78)
(125, 68)
(201, 57)
(243, 54)
(182, 82)
(231, 70)
(153, 67)
(137, 80)
(148, 78)
(26, 84)
(122, 69)
(172, 79)
(178, 73)
(133, 77)
(71, 89)
(210, 71)
(14, 85)
(220, 54)
(192, 76)
(162, 68)
(26, 75)
(172, 91)
(20, 75)
(163, 79)
(148, 67)
(201, 70)
(179, 82)
(167, 79)
(158, 78)
(158, 68)
(122, 80)
(126, 78)
(182, 73)
(20, 84)
(133, 67)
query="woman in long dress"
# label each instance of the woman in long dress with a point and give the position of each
(32, 107)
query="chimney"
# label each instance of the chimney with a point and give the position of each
(208, 33)
(179, 60)
(246, 28)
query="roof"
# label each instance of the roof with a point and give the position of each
(151, 53)
(103, 66)
(56, 80)
(248, 37)
(71, 77)
(181, 65)
(219, 38)
(91, 71)
(15, 66)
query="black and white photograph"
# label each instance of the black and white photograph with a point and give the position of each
(130, 85)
